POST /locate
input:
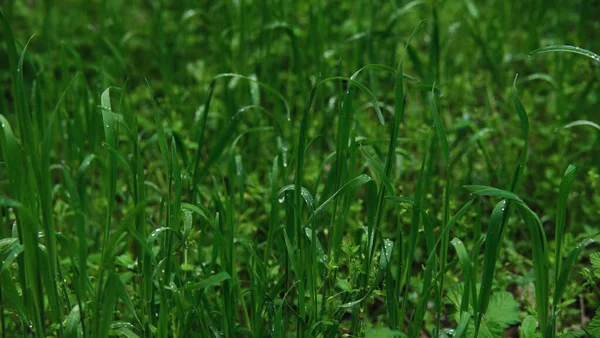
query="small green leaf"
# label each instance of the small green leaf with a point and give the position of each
(528, 326)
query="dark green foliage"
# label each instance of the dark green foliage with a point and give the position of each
(309, 169)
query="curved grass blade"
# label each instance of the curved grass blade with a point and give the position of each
(198, 211)
(482, 190)
(349, 186)
(308, 198)
(208, 282)
(581, 123)
(362, 87)
(264, 86)
(567, 49)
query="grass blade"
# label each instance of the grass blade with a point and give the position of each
(581, 123)
(566, 49)
(561, 215)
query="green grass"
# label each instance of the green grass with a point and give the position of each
(299, 169)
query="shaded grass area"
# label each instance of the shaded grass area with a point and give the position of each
(277, 169)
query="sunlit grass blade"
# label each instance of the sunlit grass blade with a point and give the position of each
(581, 123)
(566, 49)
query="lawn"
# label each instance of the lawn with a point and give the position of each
(316, 168)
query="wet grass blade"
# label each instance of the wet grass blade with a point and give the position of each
(567, 49)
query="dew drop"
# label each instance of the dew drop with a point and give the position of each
(107, 126)
(281, 200)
